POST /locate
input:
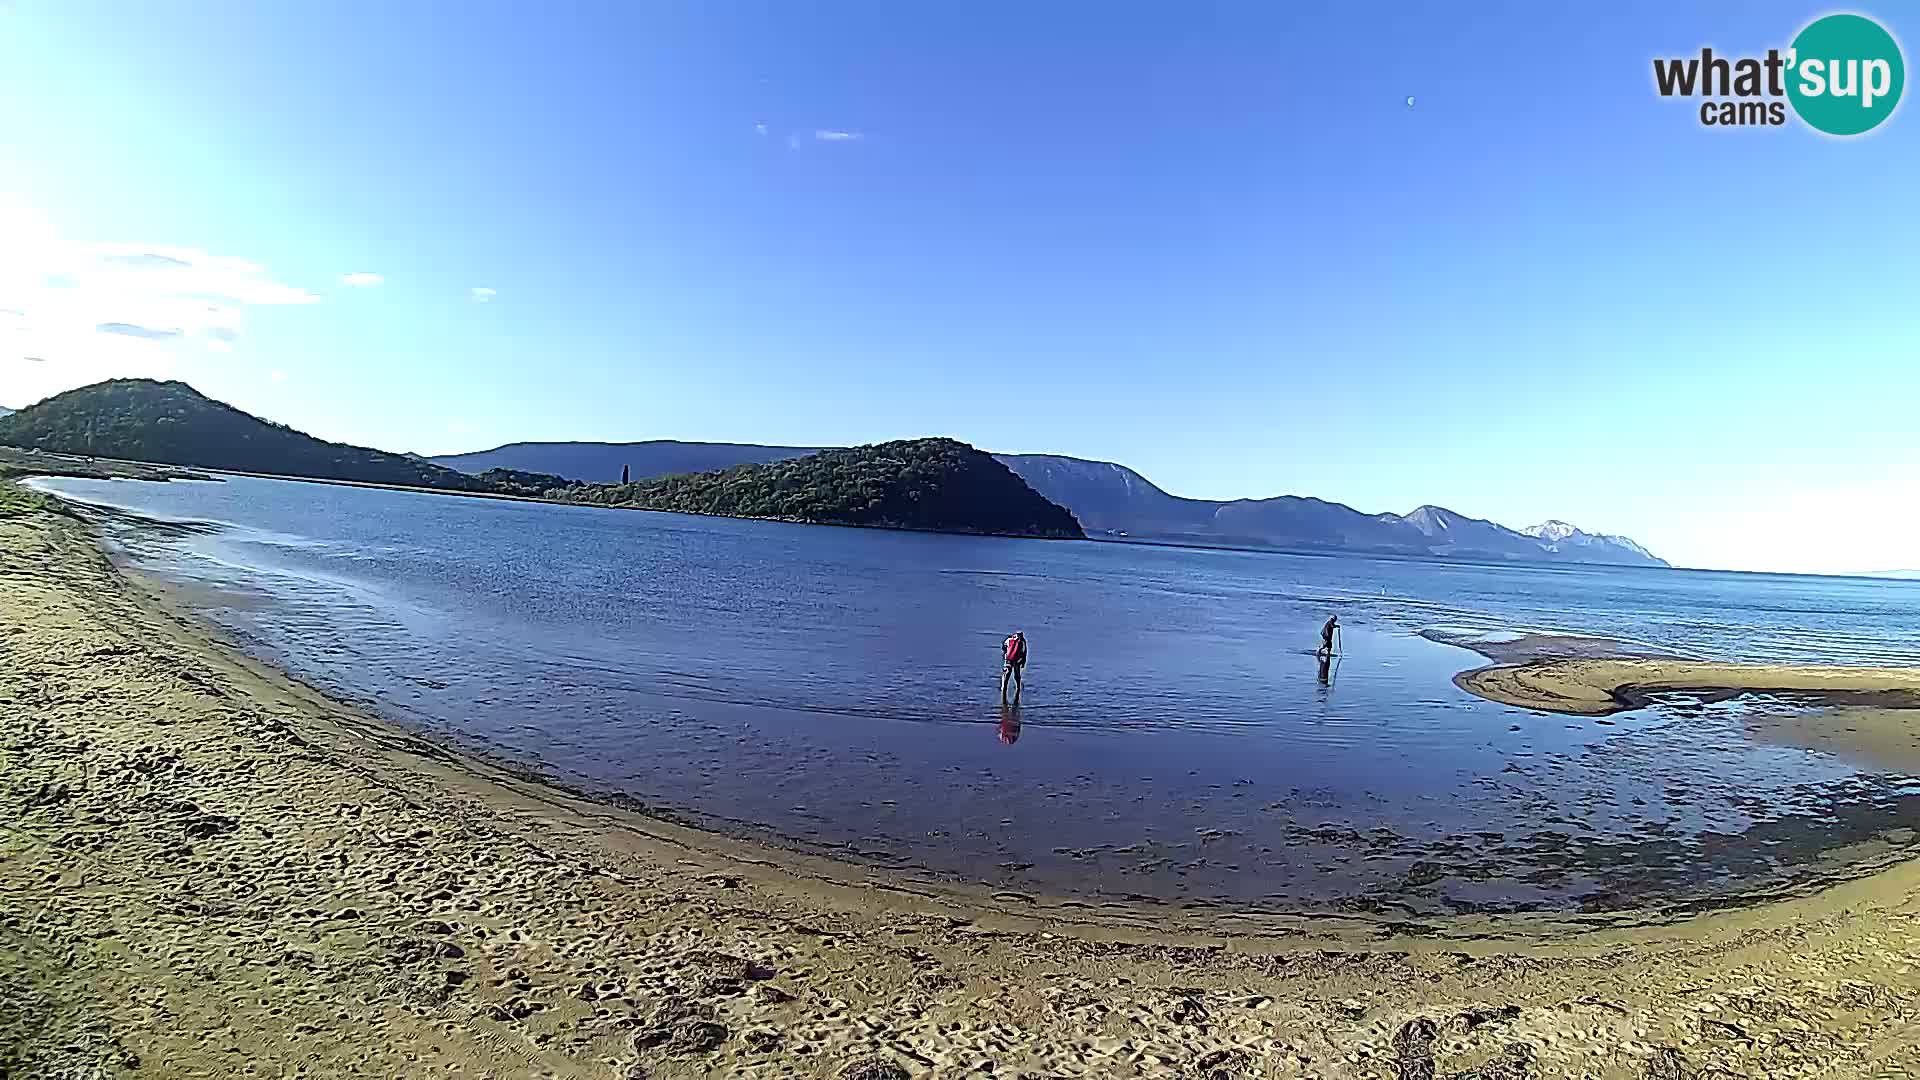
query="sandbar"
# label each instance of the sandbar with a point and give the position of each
(1599, 687)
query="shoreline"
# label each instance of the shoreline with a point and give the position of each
(1782, 863)
(170, 793)
(19, 465)
(1578, 675)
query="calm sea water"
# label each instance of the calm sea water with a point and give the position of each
(836, 689)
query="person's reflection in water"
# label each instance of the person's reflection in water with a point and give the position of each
(1009, 724)
(1326, 673)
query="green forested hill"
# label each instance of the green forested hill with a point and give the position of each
(174, 424)
(935, 484)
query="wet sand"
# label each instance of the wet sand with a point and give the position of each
(1602, 686)
(207, 869)
(32, 463)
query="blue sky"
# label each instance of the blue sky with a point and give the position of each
(1212, 242)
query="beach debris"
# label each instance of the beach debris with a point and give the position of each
(1223, 1065)
(1514, 1063)
(1187, 1008)
(1413, 1048)
(762, 1040)
(49, 795)
(410, 952)
(514, 1009)
(932, 983)
(874, 1068)
(1667, 1064)
(1474, 1018)
(208, 826)
(723, 973)
(1720, 1029)
(698, 1037)
(680, 1027)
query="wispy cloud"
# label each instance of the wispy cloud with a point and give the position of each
(361, 280)
(149, 259)
(832, 135)
(130, 330)
(481, 294)
(82, 311)
(277, 375)
(759, 129)
(793, 141)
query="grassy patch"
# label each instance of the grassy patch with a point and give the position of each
(16, 500)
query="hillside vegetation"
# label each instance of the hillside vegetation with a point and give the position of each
(933, 484)
(173, 424)
(602, 463)
(930, 484)
(1112, 501)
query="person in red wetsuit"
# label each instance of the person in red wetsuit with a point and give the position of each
(1013, 652)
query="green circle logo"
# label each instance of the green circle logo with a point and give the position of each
(1845, 74)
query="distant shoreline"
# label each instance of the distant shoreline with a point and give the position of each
(23, 466)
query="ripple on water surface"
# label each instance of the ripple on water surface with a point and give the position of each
(836, 689)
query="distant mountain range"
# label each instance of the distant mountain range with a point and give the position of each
(927, 483)
(1115, 502)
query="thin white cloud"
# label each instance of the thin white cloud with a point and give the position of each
(151, 333)
(759, 129)
(83, 311)
(831, 135)
(150, 260)
(277, 375)
(793, 141)
(361, 280)
(481, 294)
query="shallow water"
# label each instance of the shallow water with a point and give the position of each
(837, 689)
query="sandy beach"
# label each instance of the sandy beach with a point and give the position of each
(1573, 676)
(207, 869)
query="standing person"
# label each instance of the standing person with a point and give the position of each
(1014, 652)
(1326, 635)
